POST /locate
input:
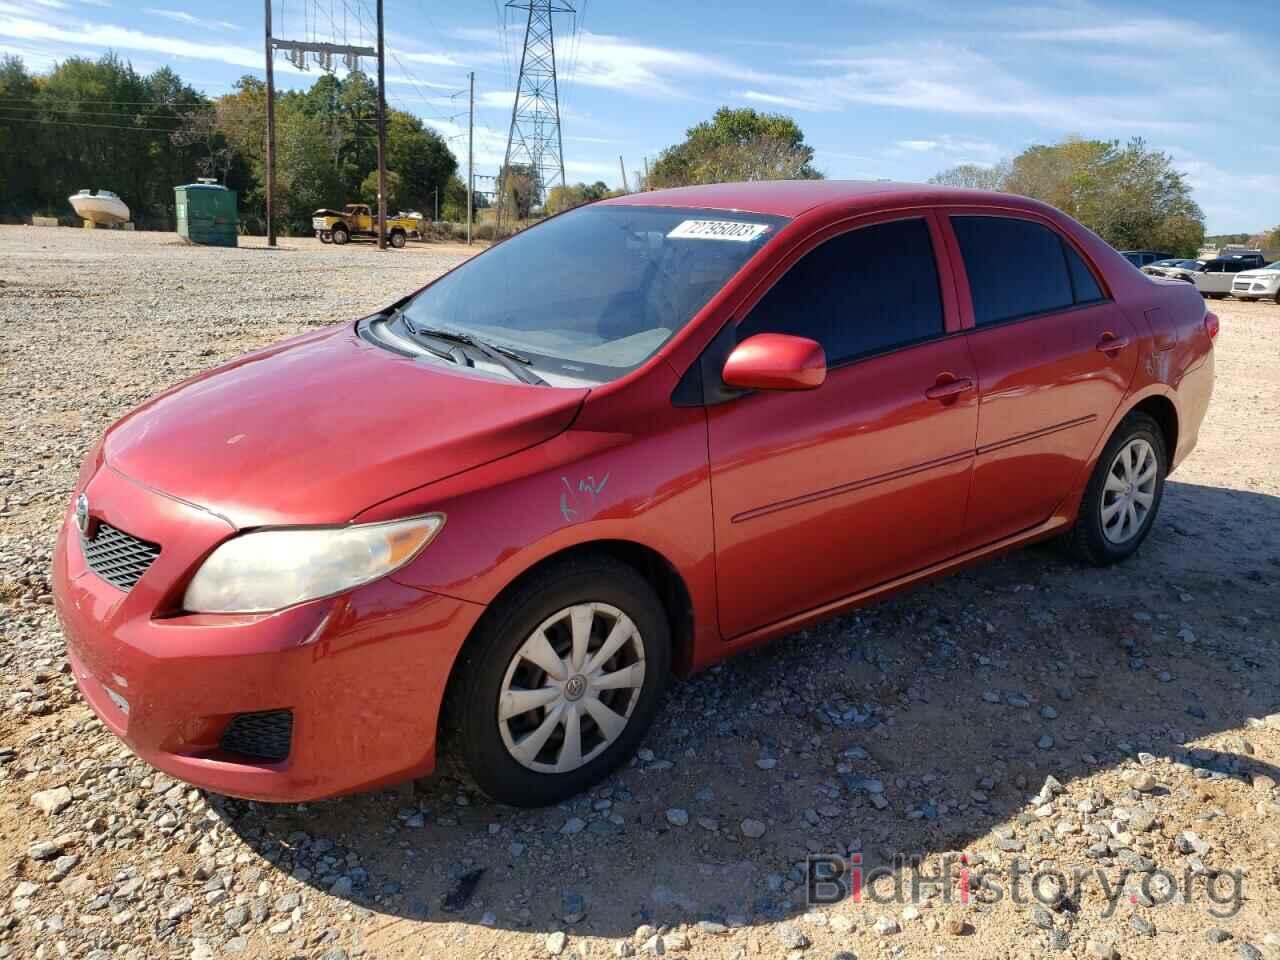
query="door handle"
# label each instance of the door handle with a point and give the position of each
(1110, 343)
(949, 388)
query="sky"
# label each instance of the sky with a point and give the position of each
(896, 89)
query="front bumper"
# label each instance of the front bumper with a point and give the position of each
(364, 674)
(1253, 290)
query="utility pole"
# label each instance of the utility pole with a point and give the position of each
(382, 136)
(271, 135)
(297, 51)
(436, 192)
(471, 139)
(646, 173)
(625, 188)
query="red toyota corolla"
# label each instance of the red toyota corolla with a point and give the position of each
(494, 519)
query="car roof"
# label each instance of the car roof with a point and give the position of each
(790, 198)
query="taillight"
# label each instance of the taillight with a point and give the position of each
(1211, 324)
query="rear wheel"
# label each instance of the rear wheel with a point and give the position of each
(1123, 495)
(340, 235)
(560, 683)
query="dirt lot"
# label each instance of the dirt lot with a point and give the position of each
(1032, 715)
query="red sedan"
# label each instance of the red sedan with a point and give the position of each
(492, 521)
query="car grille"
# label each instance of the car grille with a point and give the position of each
(266, 735)
(118, 557)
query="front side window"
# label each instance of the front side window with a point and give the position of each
(590, 295)
(866, 291)
(1016, 268)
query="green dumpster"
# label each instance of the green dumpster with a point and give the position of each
(206, 213)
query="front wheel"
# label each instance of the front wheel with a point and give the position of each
(559, 684)
(340, 236)
(1123, 495)
(397, 238)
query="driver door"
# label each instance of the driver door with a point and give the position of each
(823, 493)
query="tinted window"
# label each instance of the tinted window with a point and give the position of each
(1083, 281)
(859, 293)
(1015, 268)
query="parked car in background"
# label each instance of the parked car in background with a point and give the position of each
(1255, 284)
(1175, 269)
(490, 521)
(1140, 258)
(1216, 278)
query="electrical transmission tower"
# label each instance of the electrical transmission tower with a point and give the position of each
(534, 142)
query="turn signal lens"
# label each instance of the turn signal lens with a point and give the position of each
(1211, 324)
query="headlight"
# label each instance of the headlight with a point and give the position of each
(273, 569)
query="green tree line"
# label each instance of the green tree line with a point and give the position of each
(1130, 195)
(100, 124)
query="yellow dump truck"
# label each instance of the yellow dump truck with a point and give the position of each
(357, 220)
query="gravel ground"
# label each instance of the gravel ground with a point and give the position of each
(1115, 733)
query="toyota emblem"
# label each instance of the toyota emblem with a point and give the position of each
(82, 514)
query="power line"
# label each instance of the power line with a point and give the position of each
(101, 126)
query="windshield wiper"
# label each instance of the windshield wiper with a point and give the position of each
(504, 357)
(395, 312)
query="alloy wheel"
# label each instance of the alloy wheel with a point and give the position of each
(1129, 491)
(570, 689)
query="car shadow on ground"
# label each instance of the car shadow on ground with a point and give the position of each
(913, 727)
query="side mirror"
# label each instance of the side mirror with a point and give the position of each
(776, 361)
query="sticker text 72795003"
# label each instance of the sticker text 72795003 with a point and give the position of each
(717, 230)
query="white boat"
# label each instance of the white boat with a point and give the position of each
(103, 207)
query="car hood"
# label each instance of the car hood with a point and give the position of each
(318, 428)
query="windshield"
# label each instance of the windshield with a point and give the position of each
(1189, 264)
(591, 294)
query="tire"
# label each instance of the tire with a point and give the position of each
(1277, 296)
(397, 239)
(1097, 540)
(340, 235)
(481, 748)
(323, 238)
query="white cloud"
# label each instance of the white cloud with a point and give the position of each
(193, 21)
(780, 100)
(124, 38)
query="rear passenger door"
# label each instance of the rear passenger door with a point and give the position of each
(1054, 356)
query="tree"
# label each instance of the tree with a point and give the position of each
(198, 128)
(575, 194)
(422, 161)
(740, 144)
(1128, 194)
(973, 176)
(21, 140)
(395, 192)
(520, 186)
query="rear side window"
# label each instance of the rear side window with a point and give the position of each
(1015, 267)
(863, 292)
(1083, 282)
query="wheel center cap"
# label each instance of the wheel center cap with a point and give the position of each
(575, 687)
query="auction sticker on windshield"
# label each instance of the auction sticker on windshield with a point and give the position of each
(717, 230)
